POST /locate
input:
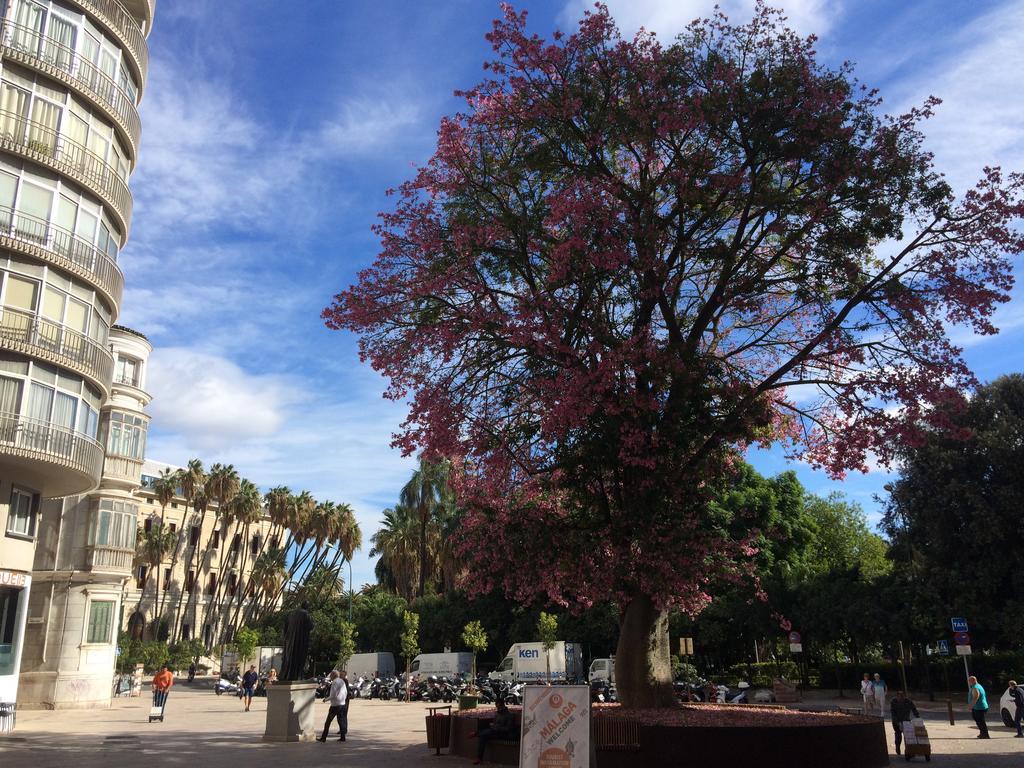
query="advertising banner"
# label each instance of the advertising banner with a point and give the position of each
(556, 727)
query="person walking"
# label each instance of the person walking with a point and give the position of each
(867, 694)
(338, 698)
(162, 682)
(979, 705)
(879, 690)
(191, 671)
(1018, 700)
(901, 709)
(500, 728)
(249, 680)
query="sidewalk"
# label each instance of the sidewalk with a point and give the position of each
(202, 729)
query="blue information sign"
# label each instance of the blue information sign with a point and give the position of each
(959, 625)
(944, 647)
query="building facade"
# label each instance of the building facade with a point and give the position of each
(71, 77)
(206, 589)
(85, 548)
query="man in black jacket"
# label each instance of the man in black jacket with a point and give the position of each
(901, 708)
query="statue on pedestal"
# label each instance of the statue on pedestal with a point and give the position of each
(298, 625)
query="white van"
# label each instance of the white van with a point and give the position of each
(525, 662)
(442, 664)
(370, 665)
(602, 669)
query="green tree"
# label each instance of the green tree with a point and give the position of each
(547, 633)
(346, 643)
(378, 614)
(152, 547)
(954, 516)
(190, 481)
(165, 488)
(245, 642)
(475, 639)
(410, 644)
(430, 500)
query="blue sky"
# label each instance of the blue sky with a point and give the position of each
(272, 130)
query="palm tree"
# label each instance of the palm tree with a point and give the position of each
(246, 509)
(191, 481)
(221, 485)
(397, 544)
(278, 502)
(300, 513)
(268, 570)
(152, 547)
(165, 488)
(427, 495)
(200, 503)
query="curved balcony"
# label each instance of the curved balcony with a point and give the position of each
(28, 334)
(64, 250)
(56, 60)
(57, 460)
(112, 15)
(122, 471)
(111, 559)
(142, 10)
(41, 144)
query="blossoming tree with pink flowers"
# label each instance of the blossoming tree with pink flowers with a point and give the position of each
(629, 261)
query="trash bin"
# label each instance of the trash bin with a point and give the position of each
(439, 728)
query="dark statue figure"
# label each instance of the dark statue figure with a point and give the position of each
(297, 628)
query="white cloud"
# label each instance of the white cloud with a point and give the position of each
(668, 18)
(279, 430)
(981, 119)
(212, 402)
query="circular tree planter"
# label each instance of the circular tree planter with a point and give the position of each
(711, 734)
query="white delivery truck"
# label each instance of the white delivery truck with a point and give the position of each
(525, 663)
(602, 669)
(370, 665)
(442, 664)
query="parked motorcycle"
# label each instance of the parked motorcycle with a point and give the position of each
(226, 686)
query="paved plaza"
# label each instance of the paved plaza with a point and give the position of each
(202, 729)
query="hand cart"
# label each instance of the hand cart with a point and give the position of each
(915, 740)
(156, 712)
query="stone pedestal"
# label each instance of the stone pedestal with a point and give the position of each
(291, 714)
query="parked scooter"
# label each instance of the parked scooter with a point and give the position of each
(226, 686)
(737, 695)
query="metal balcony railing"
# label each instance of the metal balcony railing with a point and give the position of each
(41, 143)
(28, 46)
(121, 23)
(50, 442)
(63, 249)
(26, 333)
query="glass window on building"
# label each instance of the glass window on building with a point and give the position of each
(21, 518)
(101, 615)
(127, 371)
(115, 524)
(127, 435)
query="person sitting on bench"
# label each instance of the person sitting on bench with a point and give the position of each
(500, 728)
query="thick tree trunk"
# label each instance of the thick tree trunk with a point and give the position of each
(643, 664)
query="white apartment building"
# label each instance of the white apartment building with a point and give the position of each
(71, 76)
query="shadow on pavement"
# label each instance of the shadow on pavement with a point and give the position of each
(152, 747)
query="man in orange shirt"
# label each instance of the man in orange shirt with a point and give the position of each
(162, 682)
